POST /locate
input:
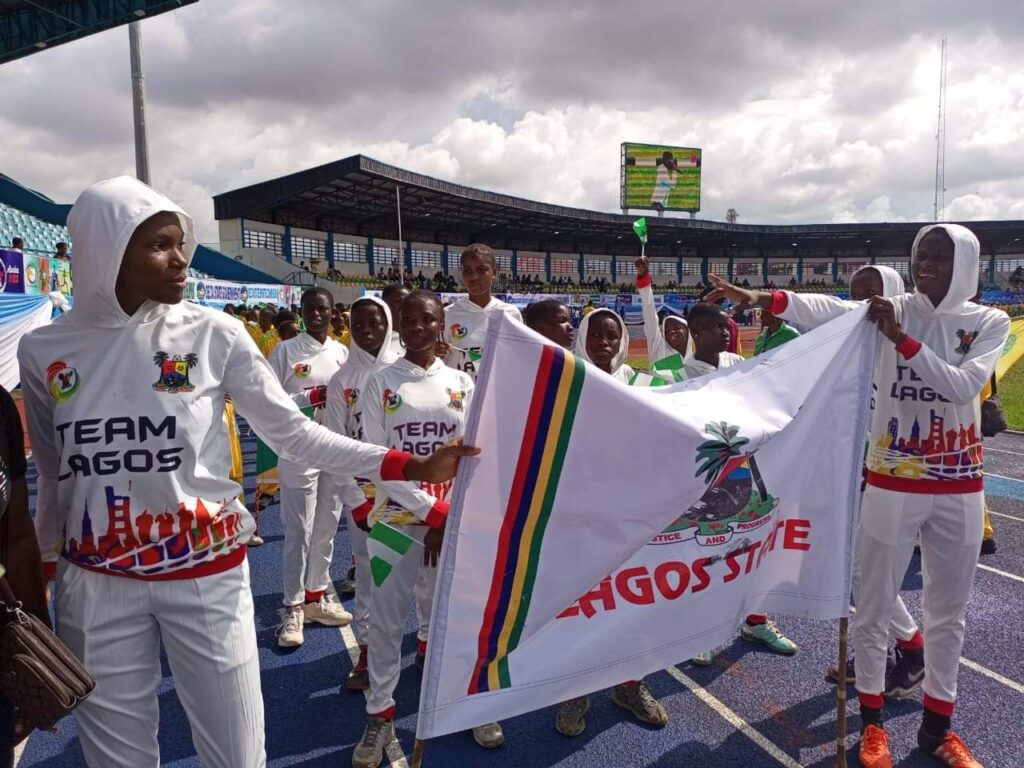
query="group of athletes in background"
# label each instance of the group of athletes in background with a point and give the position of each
(392, 385)
(383, 445)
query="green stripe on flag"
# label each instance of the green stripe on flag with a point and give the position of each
(391, 538)
(670, 363)
(386, 546)
(266, 459)
(379, 569)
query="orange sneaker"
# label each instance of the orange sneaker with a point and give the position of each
(874, 748)
(954, 753)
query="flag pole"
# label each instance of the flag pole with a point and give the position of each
(417, 754)
(844, 630)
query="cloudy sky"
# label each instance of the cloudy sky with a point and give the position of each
(807, 111)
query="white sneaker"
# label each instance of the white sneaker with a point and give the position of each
(327, 612)
(290, 633)
(489, 735)
(255, 540)
(369, 752)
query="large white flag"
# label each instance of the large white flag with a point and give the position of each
(608, 531)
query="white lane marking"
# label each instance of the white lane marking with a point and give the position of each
(1003, 514)
(18, 750)
(394, 750)
(996, 571)
(733, 719)
(1003, 450)
(1005, 477)
(1013, 684)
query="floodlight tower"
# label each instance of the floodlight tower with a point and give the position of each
(940, 140)
(138, 101)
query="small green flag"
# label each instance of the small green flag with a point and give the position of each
(640, 227)
(386, 545)
(641, 379)
(673, 362)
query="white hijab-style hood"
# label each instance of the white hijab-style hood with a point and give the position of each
(966, 256)
(581, 338)
(387, 354)
(892, 281)
(101, 223)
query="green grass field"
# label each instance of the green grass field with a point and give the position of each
(1011, 394)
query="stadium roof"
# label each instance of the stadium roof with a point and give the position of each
(356, 196)
(29, 26)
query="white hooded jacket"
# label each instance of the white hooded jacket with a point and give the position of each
(465, 328)
(416, 410)
(925, 431)
(126, 413)
(654, 330)
(620, 370)
(342, 412)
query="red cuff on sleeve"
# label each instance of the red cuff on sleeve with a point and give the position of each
(438, 514)
(360, 513)
(50, 570)
(908, 347)
(393, 466)
(779, 302)
(643, 282)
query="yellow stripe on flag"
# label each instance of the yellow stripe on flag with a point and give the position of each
(550, 448)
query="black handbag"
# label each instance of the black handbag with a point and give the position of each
(993, 419)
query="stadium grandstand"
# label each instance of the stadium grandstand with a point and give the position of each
(30, 26)
(341, 221)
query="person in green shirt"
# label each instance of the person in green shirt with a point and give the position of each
(774, 332)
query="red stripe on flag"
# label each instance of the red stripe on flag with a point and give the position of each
(514, 500)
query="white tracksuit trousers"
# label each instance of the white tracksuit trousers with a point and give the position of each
(364, 582)
(389, 608)
(115, 626)
(902, 626)
(310, 512)
(950, 528)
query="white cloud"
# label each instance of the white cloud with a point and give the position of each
(805, 114)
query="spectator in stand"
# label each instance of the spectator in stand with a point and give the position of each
(303, 267)
(229, 309)
(17, 244)
(380, 274)
(62, 252)
(1018, 276)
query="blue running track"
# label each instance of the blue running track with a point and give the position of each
(749, 709)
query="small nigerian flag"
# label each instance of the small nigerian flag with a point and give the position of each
(640, 227)
(386, 545)
(641, 379)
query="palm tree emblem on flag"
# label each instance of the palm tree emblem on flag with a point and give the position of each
(174, 372)
(736, 499)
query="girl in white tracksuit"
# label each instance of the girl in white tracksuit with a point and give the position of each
(611, 347)
(924, 469)
(665, 338)
(902, 627)
(466, 320)
(417, 402)
(310, 509)
(125, 403)
(603, 341)
(371, 350)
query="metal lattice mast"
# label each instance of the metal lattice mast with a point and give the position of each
(940, 140)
